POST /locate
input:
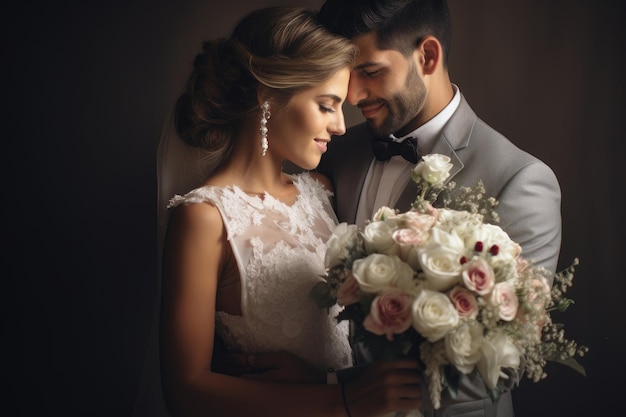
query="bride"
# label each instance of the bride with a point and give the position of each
(243, 250)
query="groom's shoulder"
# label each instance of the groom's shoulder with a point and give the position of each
(357, 134)
(358, 130)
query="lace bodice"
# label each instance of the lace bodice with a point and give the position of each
(280, 255)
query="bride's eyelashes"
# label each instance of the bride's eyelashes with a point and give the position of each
(327, 109)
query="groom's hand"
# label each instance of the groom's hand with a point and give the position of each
(230, 363)
(385, 386)
(276, 367)
(226, 362)
(283, 367)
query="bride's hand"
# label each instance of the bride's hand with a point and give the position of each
(283, 367)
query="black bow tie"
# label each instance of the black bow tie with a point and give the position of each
(385, 148)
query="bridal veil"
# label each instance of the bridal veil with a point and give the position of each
(180, 168)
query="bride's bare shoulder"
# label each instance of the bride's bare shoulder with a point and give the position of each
(199, 219)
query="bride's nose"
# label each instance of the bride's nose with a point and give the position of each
(338, 126)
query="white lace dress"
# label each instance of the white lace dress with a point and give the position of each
(280, 255)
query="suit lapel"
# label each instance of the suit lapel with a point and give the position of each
(454, 136)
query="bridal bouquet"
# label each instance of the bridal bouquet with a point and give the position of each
(448, 286)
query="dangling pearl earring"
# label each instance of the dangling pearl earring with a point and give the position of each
(265, 115)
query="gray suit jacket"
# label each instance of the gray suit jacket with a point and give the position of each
(529, 207)
(527, 190)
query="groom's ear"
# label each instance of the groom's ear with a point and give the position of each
(429, 53)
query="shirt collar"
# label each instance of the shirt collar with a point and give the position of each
(430, 131)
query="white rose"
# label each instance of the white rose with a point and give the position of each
(337, 247)
(490, 235)
(463, 345)
(378, 237)
(433, 168)
(377, 272)
(384, 213)
(497, 352)
(463, 223)
(441, 259)
(504, 300)
(450, 216)
(417, 220)
(434, 315)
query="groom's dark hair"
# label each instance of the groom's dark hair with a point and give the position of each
(399, 24)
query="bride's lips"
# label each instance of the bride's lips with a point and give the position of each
(321, 144)
(369, 111)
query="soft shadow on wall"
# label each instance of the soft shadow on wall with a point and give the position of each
(549, 75)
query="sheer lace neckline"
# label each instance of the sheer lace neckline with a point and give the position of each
(259, 196)
(263, 198)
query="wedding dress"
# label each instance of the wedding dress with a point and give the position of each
(280, 251)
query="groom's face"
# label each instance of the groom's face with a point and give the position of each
(387, 87)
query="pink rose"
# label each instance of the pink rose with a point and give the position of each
(348, 292)
(522, 264)
(503, 297)
(429, 209)
(417, 220)
(409, 240)
(405, 237)
(465, 302)
(390, 313)
(478, 275)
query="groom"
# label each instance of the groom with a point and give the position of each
(400, 82)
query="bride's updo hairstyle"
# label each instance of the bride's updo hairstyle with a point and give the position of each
(281, 49)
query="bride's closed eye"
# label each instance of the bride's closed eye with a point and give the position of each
(326, 108)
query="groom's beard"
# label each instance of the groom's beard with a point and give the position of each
(402, 107)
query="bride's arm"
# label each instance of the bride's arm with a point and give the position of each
(193, 259)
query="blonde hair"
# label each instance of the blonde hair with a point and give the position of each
(281, 49)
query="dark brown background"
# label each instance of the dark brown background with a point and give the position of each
(87, 88)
